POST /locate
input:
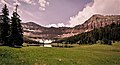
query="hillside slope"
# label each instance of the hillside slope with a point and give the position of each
(34, 30)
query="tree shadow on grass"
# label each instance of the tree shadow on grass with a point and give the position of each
(16, 46)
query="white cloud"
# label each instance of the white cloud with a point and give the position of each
(30, 2)
(16, 2)
(5, 2)
(104, 7)
(51, 25)
(57, 25)
(10, 5)
(42, 8)
(43, 4)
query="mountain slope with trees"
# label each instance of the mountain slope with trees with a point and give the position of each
(34, 30)
(103, 35)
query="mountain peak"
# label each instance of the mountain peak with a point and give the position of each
(96, 21)
(31, 23)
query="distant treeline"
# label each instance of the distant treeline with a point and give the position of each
(104, 35)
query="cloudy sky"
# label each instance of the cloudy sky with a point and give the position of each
(59, 13)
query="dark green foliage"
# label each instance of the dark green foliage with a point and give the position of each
(5, 26)
(11, 34)
(105, 34)
(16, 30)
(5, 10)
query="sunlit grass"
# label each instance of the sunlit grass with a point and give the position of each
(78, 55)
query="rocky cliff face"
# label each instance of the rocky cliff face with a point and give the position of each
(34, 30)
(97, 21)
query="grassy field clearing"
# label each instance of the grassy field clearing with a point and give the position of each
(79, 55)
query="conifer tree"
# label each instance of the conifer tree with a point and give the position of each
(5, 27)
(16, 30)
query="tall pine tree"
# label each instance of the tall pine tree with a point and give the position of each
(16, 30)
(5, 27)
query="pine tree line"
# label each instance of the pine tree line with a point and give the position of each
(11, 29)
(104, 35)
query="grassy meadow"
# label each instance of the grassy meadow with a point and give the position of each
(79, 55)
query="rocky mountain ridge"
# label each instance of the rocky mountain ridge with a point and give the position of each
(34, 30)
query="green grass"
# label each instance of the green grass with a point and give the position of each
(79, 55)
